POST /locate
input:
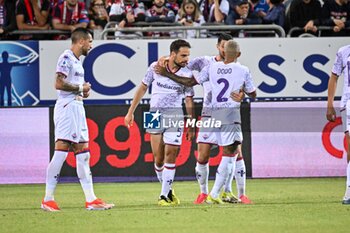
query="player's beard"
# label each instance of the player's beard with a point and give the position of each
(84, 51)
(183, 64)
(222, 56)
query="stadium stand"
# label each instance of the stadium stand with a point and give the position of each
(110, 27)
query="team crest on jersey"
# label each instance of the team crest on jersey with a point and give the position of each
(19, 73)
(74, 135)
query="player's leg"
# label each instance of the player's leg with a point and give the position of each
(52, 175)
(202, 171)
(205, 139)
(230, 136)
(63, 140)
(169, 173)
(82, 155)
(227, 195)
(346, 125)
(224, 169)
(157, 146)
(346, 199)
(240, 176)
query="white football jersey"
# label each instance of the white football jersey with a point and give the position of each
(224, 79)
(341, 66)
(69, 65)
(198, 64)
(165, 92)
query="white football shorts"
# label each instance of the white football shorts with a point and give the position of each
(207, 135)
(228, 134)
(70, 122)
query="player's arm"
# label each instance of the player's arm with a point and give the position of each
(129, 118)
(332, 86)
(188, 82)
(249, 87)
(190, 113)
(251, 95)
(63, 85)
(237, 96)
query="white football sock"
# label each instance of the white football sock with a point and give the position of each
(240, 176)
(347, 192)
(228, 183)
(168, 178)
(84, 175)
(159, 172)
(202, 175)
(226, 166)
(53, 173)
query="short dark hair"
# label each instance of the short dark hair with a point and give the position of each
(80, 33)
(177, 44)
(224, 36)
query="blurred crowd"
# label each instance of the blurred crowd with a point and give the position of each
(67, 15)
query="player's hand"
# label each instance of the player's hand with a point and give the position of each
(162, 61)
(129, 119)
(238, 97)
(331, 115)
(86, 94)
(190, 134)
(160, 70)
(86, 87)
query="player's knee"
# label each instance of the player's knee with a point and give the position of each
(231, 149)
(79, 150)
(202, 159)
(62, 145)
(159, 163)
(228, 150)
(82, 156)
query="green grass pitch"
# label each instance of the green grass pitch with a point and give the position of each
(280, 205)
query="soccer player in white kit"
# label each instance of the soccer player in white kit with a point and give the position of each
(71, 131)
(205, 138)
(341, 65)
(227, 77)
(166, 100)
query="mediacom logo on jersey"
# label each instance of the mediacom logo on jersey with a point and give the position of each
(155, 120)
